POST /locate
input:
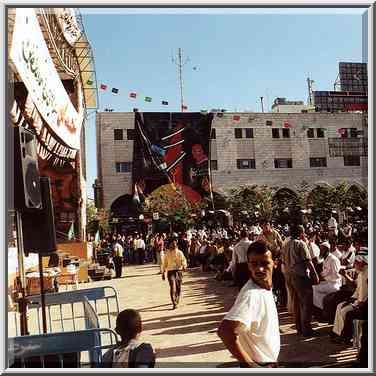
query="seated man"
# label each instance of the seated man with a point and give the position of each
(331, 278)
(355, 307)
(130, 352)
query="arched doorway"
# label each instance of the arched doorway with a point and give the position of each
(125, 215)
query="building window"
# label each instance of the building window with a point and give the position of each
(214, 164)
(351, 160)
(317, 162)
(269, 123)
(245, 163)
(213, 135)
(311, 133)
(286, 133)
(118, 134)
(283, 163)
(248, 132)
(123, 166)
(238, 133)
(320, 133)
(353, 132)
(130, 134)
(275, 132)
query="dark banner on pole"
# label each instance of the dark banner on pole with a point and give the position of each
(172, 148)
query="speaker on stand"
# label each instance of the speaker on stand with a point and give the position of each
(27, 193)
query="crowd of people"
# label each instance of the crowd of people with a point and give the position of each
(319, 270)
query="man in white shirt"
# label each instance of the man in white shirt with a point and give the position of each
(240, 259)
(250, 330)
(348, 310)
(333, 227)
(139, 246)
(332, 279)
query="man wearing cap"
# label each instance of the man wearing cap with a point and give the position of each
(356, 306)
(331, 278)
(174, 263)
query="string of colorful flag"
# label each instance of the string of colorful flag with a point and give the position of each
(132, 94)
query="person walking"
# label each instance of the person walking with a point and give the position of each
(297, 262)
(118, 258)
(174, 263)
(250, 330)
(241, 271)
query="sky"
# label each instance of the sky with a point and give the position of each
(231, 57)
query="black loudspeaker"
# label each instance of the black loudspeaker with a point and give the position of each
(27, 192)
(38, 227)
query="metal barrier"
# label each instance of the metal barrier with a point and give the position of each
(82, 348)
(65, 310)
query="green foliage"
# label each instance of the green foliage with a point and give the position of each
(174, 207)
(250, 202)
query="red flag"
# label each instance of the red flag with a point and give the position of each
(103, 87)
(236, 118)
(133, 95)
(286, 124)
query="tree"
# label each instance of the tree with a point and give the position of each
(250, 202)
(173, 206)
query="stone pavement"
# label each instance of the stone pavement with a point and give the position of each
(186, 337)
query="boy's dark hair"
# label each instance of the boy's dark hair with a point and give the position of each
(257, 248)
(128, 323)
(243, 233)
(264, 221)
(295, 231)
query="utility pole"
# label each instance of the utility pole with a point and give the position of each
(309, 84)
(178, 60)
(262, 104)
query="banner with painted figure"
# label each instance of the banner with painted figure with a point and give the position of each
(172, 150)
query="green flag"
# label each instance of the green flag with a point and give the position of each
(148, 99)
(71, 234)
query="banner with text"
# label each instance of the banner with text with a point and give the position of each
(34, 64)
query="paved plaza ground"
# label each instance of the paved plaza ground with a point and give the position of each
(186, 337)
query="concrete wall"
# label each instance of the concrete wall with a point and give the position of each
(226, 150)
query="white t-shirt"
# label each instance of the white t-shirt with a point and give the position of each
(331, 268)
(255, 308)
(240, 251)
(314, 250)
(338, 254)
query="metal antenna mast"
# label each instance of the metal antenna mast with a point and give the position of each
(179, 63)
(309, 83)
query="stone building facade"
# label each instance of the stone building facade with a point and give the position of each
(274, 149)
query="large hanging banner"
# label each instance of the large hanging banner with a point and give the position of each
(67, 20)
(34, 64)
(172, 150)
